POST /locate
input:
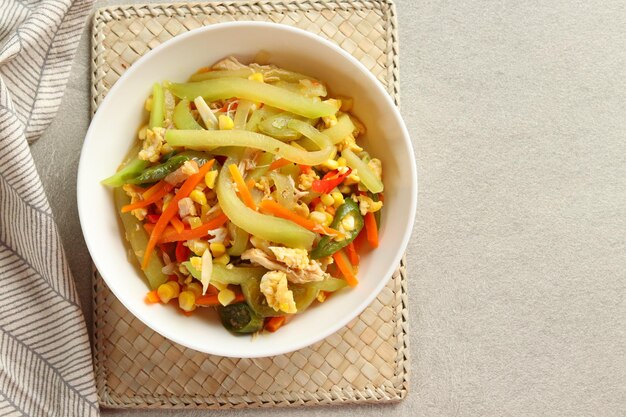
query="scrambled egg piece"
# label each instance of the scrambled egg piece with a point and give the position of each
(306, 180)
(349, 143)
(152, 145)
(135, 196)
(293, 258)
(277, 294)
(366, 204)
(331, 120)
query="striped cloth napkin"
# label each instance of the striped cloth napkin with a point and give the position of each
(45, 358)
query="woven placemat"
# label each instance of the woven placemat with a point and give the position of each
(365, 361)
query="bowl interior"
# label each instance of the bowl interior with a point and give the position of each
(113, 131)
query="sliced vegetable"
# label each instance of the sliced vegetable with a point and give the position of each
(212, 299)
(240, 318)
(341, 130)
(210, 75)
(172, 209)
(259, 115)
(163, 189)
(157, 113)
(266, 227)
(222, 88)
(328, 246)
(285, 191)
(207, 270)
(237, 275)
(346, 269)
(272, 207)
(242, 188)
(170, 234)
(241, 114)
(206, 114)
(206, 140)
(276, 126)
(303, 295)
(138, 240)
(352, 254)
(329, 181)
(183, 119)
(240, 241)
(274, 323)
(158, 172)
(329, 284)
(131, 170)
(368, 178)
(371, 229)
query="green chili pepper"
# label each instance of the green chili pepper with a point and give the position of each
(240, 318)
(158, 172)
(131, 170)
(327, 245)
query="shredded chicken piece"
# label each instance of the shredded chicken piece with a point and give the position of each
(366, 204)
(312, 272)
(135, 195)
(182, 173)
(186, 208)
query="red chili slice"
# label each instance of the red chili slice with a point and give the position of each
(329, 181)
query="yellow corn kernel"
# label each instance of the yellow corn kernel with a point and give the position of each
(345, 189)
(318, 217)
(338, 198)
(342, 161)
(209, 179)
(195, 288)
(217, 249)
(194, 222)
(148, 104)
(188, 280)
(257, 76)
(225, 296)
(198, 197)
(328, 219)
(321, 296)
(197, 246)
(327, 199)
(168, 291)
(331, 164)
(187, 301)
(142, 132)
(166, 200)
(348, 223)
(196, 262)
(320, 207)
(222, 260)
(225, 122)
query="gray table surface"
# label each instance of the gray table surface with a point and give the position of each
(517, 264)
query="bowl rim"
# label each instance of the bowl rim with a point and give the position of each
(340, 322)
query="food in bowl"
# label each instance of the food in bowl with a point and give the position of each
(248, 191)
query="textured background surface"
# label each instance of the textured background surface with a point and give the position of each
(517, 264)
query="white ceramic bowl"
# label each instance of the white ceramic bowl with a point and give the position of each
(113, 131)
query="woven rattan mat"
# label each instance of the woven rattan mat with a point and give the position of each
(365, 361)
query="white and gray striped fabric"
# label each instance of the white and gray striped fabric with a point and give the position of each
(45, 357)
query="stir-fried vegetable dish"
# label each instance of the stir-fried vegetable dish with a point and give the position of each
(247, 191)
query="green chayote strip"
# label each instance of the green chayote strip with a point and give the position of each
(183, 119)
(242, 88)
(138, 239)
(206, 140)
(157, 113)
(273, 229)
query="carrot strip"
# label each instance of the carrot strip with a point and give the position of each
(209, 300)
(171, 235)
(242, 189)
(279, 163)
(250, 184)
(178, 224)
(152, 297)
(156, 187)
(172, 208)
(345, 268)
(371, 229)
(152, 198)
(352, 254)
(274, 323)
(277, 210)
